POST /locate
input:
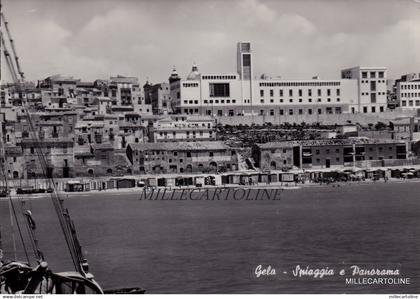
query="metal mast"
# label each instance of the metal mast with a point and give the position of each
(66, 223)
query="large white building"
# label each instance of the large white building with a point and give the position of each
(371, 88)
(407, 90)
(240, 93)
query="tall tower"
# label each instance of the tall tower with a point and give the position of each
(244, 60)
(246, 73)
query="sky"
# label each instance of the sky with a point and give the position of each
(294, 39)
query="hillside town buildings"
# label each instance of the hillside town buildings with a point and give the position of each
(117, 127)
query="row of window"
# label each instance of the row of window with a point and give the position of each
(274, 84)
(372, 109)
(262, 101)
(300, 92)
(309, 111)
(372, 74)
(410, 103)
(410, 86)
(300, 100)
(190, 84)
(337, 159)
(378, 93)
(271, 112)
(188, 133)
(367, 81)
(166, 153)
(219, 77)
(337, 150)
(410, 94)
(227, 101)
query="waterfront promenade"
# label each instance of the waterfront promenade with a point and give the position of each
(295, 178)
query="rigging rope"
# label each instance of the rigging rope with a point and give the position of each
(63, 216)
(16, 218)
(69, 235)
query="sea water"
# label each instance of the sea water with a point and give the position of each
(224, 246)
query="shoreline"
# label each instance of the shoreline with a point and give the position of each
(261, 186)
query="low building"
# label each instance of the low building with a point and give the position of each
(274, 155)
(326, 153)
(180, 157)
(58, 155)
(99, 160)
(15, 162)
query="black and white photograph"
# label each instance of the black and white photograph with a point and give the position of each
(210, 147)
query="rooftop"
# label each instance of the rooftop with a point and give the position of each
(327, 142)
(181, 146)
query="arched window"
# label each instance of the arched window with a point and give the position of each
(90, 172)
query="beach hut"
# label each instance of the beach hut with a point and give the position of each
(273, 178)
(253, 178)
(141, 183)
(235, 179)
(161, 182)
(170, 182)
(209, 181)
(244, 179)
(263, 178)
(151, 182)
(369, 173)
(379, 174)
(74, 186)
(217, 180)
(287, 177)
(396, 173)
(126, 183)
(225, 179)
(199, 181)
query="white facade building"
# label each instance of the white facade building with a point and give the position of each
(232, 94)
(408, 91)
(183, 128)
(371, 88)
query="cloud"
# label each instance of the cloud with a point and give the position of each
(145, 38)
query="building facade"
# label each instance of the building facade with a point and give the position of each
(240, 93)
(158, 95)
(182, 157)
(407, 90)
(371, 88)
(185, 127)
(326, 153)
